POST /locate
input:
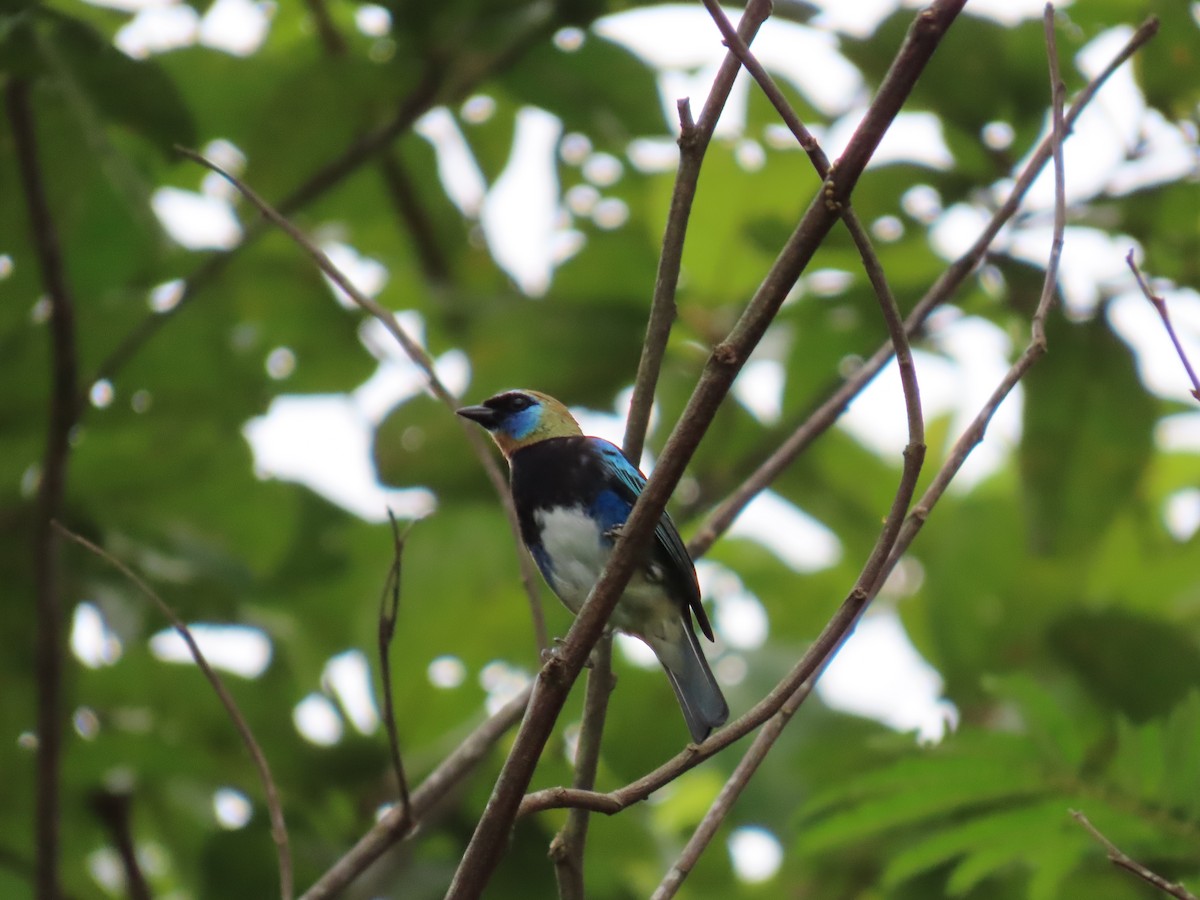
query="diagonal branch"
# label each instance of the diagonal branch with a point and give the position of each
(634, 792)
(1160, 306)
(556, 677)
(947, 284)
(387, 632)
(419, 357)
(694, 138)
(1119, 858)
(271, 792)
(398, 823)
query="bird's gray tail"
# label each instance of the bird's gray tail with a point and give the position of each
(703, 704)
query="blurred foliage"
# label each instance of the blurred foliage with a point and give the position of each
(1055, 603)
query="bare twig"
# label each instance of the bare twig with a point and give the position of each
(870, 578)
(1160, 304)
(397, 823)
(728, 357)
(387, 631)
(614, 801)
(114, 809)
(49, 640)
(568, 845)
(271, 793)
(1118, 858)
(730, 791)
(694, 138)
(947, 284)
(420, 358)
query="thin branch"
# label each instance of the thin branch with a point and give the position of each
(568, 845)
(270, 791)
(387, 631)
(947, 284)
(1118, 858)
(730, 791)
(420, 358)
(1058, 134)
(556, 677)
(871, 578)
(1160, 304)
(694, 138)
(115, 810)
(397, 823)
(614, 801)
(49, 640)
(974, 433)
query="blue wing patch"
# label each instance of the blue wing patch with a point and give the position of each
(666, 535)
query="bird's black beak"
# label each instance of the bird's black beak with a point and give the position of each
(484, 415)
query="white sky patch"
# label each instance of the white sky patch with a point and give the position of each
(738, 616)
(317, 720)
(239, 649)
(635, 651)
(878, 673)
(237, 27)
(756, 854)
(157, 29)
(324, 443)
(92, 642)
(527, 190)
(759, 388)
(231, 808)
(1181, 514)
(196, 221)
(799, 540)
(446, 672)
(368, 276)
(914, 137)
(502, 682)
(1179, 433)
(959, 386)
(348, 675)
(461, 177)
(1135, 319)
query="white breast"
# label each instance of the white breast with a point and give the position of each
(577, 554)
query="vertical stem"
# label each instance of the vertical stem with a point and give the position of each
(49, 647)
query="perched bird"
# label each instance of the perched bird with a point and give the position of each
(573, 494)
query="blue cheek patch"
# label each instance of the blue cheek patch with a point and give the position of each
(521, 424)
(609, 510)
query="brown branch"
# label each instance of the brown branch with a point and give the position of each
(568, 845)
(49, 639)
(556, 677)
(730, 791)
(694, 138)
(115, 810)
(1118, 858)
(419, 357)
(871, 577)
(1160, 304)
(947, 284)
(614, 801)
(387, 631)
(270, 791)
(399, 823)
